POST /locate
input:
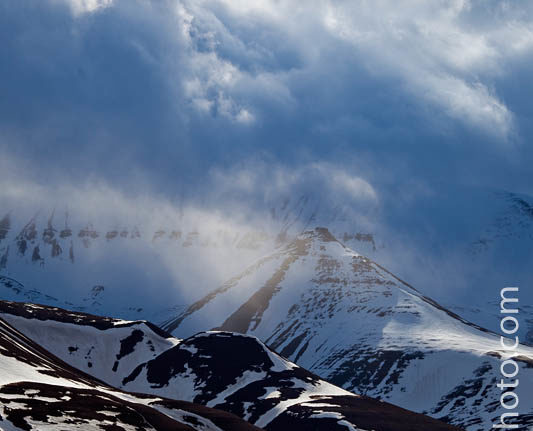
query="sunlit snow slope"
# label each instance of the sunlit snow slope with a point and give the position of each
(349, 320)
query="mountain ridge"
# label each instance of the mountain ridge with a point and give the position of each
(261, 387)
(350, 321)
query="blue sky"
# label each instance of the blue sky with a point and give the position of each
(162, 94)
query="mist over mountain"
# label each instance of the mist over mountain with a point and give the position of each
(102, 251)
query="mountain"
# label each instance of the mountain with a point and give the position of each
(60, 259)
(459, 245)
(92, 263)
(349, 320)
(500, 252)
(39, 391)
(86, 341)
(234, 372)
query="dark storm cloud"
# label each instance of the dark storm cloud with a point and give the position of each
(89, 93)
(162, 93)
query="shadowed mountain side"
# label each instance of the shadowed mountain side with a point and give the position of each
(226, 371)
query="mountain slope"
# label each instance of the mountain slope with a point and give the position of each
(39, 391)
(231, 372)
(89, 349)
(347, 319)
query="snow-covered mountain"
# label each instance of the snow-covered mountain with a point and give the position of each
(59, 259)
(355, 324)
(39, 392)
(459, 246)
(90, 349)
(237, 373)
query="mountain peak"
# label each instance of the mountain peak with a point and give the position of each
(321, 233)
(352, 322)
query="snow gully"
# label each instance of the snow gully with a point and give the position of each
(509, 368)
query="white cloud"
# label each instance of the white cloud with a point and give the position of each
(356, 187)
(473, 103)
(270, 181)
(443, 56)
(107, 207)
(212, 80)
(80, 7)
(294, 80)
(440, 57)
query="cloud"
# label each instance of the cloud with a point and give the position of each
(356, 187)
(438, 54)
(159, 94)
(123, 73)
(172, 272)
(266, 181)
(257, 199)
(80, 7)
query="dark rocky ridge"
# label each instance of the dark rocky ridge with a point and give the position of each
(72, 406)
